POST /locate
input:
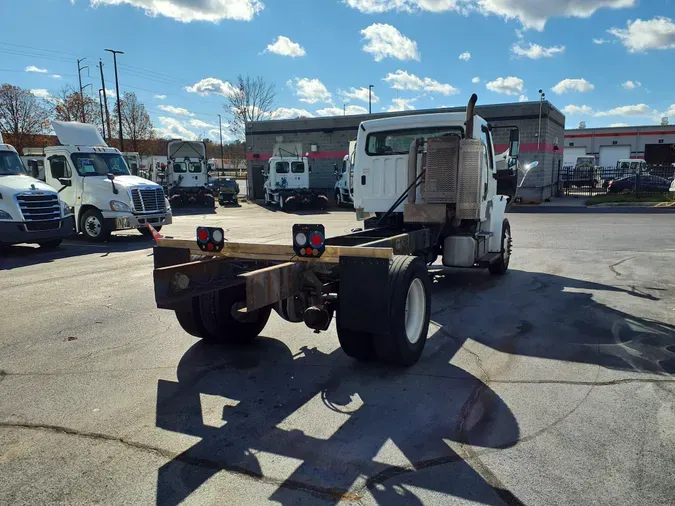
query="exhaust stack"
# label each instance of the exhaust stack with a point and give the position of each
(470, 112)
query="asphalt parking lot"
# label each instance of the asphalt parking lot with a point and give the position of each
(552, 385)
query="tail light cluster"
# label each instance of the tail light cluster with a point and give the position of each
(210, 239)
(309, 240)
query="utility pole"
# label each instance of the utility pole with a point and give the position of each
(542, 95)
(79, 77)
(117, 90)
(370, 101)
(105, 101)
(222, 158)
(100, 102)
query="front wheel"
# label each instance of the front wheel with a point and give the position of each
(93, 226)
(500, 267)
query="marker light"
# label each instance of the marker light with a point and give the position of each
(210, 239)
(300, 239)
(309, 240)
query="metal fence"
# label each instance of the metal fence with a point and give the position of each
(641, 181)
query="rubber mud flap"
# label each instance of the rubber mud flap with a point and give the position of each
(364, 302)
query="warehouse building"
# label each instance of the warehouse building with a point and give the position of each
(654, 144)
(542, 128)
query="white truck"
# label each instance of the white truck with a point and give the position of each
(94, 180)
(287, 182)
(154, 169)
(133, 160)
(344, 178)
(30, 210)
(430, 188)
(187, 174)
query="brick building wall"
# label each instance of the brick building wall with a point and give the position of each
(330, 138)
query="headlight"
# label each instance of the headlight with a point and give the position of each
(4, 215)
(66, 210)
(118, 206)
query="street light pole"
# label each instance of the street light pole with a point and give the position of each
(100, 102)
(117, 90)
(222, 158)
(370, 100)
(542, 95)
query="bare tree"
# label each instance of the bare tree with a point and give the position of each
(253, 99)
(69, 104)
(21, 115)
(136, 123)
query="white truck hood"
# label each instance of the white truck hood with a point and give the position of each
(122, 183)
(21, 183)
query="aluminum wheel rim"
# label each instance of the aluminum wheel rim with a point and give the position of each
(415, 307)
(93, 226)
(507, 245)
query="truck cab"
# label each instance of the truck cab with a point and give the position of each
(94, 180)
(287, 183)
(30, 210)
(187, 175)
(344, 178)
(133, 160)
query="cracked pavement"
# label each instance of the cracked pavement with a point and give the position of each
(552, 385)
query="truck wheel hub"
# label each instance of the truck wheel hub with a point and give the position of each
(93, 225)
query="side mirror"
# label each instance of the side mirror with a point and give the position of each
(335, 167)
(514, 143)
(34, 169)
(65, 182)
(111, 176)
(531, 165)
(309, 168)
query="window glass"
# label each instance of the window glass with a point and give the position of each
(397, 142)
(59, 167)
(99, 164)
(179, 167)
(195, 167)
(281, 167)
(298, 167)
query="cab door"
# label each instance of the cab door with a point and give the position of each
(59, 175)
(507, 177)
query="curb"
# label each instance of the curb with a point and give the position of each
(634, 204)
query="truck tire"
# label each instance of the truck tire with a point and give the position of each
(500, 267)
(357, 345)
(405, 331)
(93, 226)
(211, 317)
(51, 244)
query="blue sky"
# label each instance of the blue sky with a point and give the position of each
(606, 62)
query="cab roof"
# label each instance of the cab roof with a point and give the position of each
(415, 121)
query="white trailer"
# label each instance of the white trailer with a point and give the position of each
(344, 178)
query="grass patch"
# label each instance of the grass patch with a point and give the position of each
(628, 197)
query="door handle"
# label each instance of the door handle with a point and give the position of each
(363, 180)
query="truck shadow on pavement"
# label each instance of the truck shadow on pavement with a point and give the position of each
(336, 428)
(25, 255)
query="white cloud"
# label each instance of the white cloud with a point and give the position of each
(401, 80)
(567, 85)
(578, 110)
(640, 36)
(311, 91)
(475, 80)
(385, 41)
(600, 41)
(41, 93)
(56, 76)
(290, 113)
(110, 93)
(33, 68)
(535, 51)
(631, 85)
(173, 128)
(212, 85)
(360, 94)
(523, 98)
(179, 111)
(466, 56)
(506, 85)
(160, 97)
(531, 13)
(286, 47)
(197, 123)
(401, 104)
(628, 110)
(339, 111)
(670, 112)
(618, 125)
(187, 11)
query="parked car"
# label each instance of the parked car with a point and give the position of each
(227, 190)
(645, 182)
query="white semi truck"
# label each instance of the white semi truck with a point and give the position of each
(133, 160)
(94, 180)
(344, 175)
(428, 187)
(187, 174)
(30, 210)
(287, 182)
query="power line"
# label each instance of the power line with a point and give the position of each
(37, 48)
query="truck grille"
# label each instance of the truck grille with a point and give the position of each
(148, 200)
(39, 207)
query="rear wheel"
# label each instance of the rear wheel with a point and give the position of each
(93, 226)
(405, 331)
(500, 267)
(214, 317)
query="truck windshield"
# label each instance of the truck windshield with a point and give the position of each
(179, 167)
(397, 142)
(10, 164)
(99, 164)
